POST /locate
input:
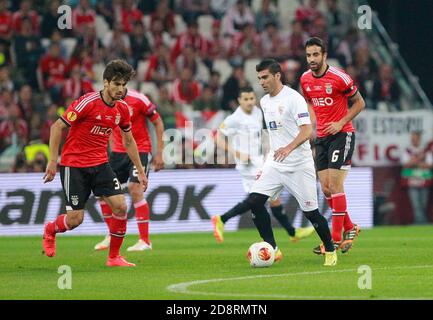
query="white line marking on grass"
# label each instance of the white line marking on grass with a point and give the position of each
(183, 287)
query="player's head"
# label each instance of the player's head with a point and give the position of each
(315, 51)
(116, 75)
(247, 99)
(270, 75)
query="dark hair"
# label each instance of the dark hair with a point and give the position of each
(315, 41)
(118, 70)
(247, 89)
(273, 66)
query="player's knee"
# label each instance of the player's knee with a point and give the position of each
(74, 220)
(136, 192)
(326, 190)
(120, 208)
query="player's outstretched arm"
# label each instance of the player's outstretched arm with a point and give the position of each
(304, 134)
(157, 161)
(132, 151)
(54, 144)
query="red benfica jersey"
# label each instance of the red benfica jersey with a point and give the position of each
(140, 108)
(328, 95)
(91, 123)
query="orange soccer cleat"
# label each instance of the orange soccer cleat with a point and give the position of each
(49, 243)
(119, 261)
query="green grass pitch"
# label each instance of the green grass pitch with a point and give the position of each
(193, 266)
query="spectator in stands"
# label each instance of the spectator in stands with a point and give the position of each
(236, 18)
(26, 12)
(189, 59)
(207, 101)
(273, 45)
(386, 89)
(82, 56)
(245, 45)
(6, 24)
(217, 45)
(35, 125)
(82, 15)
(338, 22)
(353, 73)
(185, 88)
(231, 88)
(417, 176)
(50, 19)
(20, 164)
(56, 37)
(90, 41)
(296, 41)
(130, 15)
(346, 50)
(6, 104)
(28, 50)
(51, 117)
(218, 8)
(214, 84)
(14, 129)
(267, 14)
(157, 36)
(166, 15)
(109, 10)
(117, 45)
(365, 64)
(25, 101)
(307, 13)
(53, 69)
(167, 107)
(6, 82)
(192, 9)
(76, 84)
(140, 47)
(160, 69)
(191, 37)
(39, 163)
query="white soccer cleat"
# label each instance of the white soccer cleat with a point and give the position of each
(104, 244)
(141, 245)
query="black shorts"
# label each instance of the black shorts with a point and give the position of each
(335, 152)
(125, 169)
(78, 183)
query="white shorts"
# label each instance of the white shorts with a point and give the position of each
(248, 182)
(300, 183)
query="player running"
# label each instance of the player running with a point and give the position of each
(327, 90)
(84, 166)
(290, 162)
(141, 108)
(244, 130)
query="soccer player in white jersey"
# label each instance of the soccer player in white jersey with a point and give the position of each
(243, 128)
(289, 162)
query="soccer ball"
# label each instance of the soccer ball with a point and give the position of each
(261, 254)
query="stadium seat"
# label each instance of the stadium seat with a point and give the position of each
(101, 27)
(180, 24)
(223, 67)
(250, 70)
(334, 62)
(142, 69)
(205, 25)
(70, 44)
(146, 21)
(149, 88)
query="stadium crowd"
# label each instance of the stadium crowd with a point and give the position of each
(44, 68)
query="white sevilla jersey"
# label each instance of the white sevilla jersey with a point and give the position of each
(284, 113)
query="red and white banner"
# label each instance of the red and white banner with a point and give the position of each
(381, 137)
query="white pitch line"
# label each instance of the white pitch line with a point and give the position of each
(183, 286)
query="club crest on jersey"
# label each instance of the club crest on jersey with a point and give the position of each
(328, 87)
(117, 121)
(131, 111)
(71, 116)
(74, 200)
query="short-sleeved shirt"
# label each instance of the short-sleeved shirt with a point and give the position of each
(328, 95)
(91, 123)
(140, 108)
(284, 114)
(244, 132)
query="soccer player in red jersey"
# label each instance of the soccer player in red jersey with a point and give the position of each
(141, 108)
(84, 163)
(327, 90)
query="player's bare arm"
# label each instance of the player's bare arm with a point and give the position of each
(54, 144)
(132, 151)
(157, 161)
(304, 134)
(357, 105)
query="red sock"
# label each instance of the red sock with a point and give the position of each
(348, 224)
(142, 213)
(107, 213)
(117, 232)
(338, 213)
(57, 226)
